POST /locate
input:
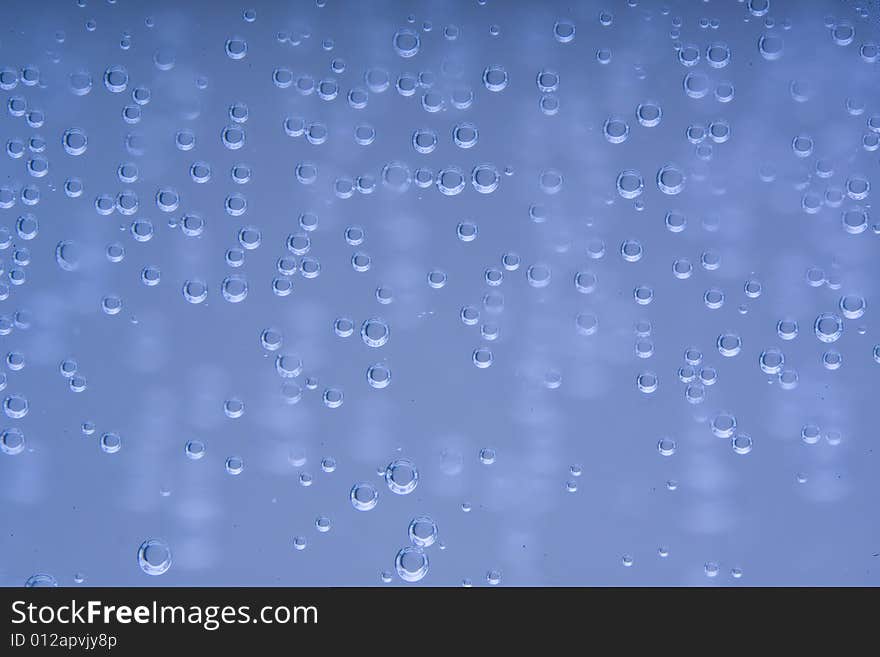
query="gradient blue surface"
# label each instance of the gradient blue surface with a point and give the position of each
(549, 206)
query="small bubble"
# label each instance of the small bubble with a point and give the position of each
(422, 531)
(411, 564)
(234, 465)
(154, 556)
(482, 357)
(495, 78)
(364, 496)
(630, 184)
(401, 476)
(236, 48)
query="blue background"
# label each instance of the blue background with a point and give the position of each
(159, 371)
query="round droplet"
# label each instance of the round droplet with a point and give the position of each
(12, 441)
(194, 449)
(422, 531)
(378, 376)
(630, 184)
(411, 564)
(364, 496)
(828, 327)
(375, 332)
(401, 476)
(154, 556)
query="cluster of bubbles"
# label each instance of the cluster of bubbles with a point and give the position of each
(147, 209)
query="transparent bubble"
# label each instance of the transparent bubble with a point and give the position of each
(689, 55)
(710, 260)
(852, 306)
(548, 80)
(855, 221)
(586, 323)
(643, 295)
(328, 89)
(675, 221)
(111, 304)
(802, 145)
(288, 366)
(401, 476)
(406, 42)
(291, 392)
(771, 46)
(843, 33)
(616, 130)
(332, 397)
(422, 531)
(234, 289)
(364, 496)
(564, 31)
(771, 360)
(631, 250)
(538, 275)
(233, 137)
(375, 332)
(154, 556)
(111, 442)
(80, 83)
(647, 382)
(828, 327)
(729, 344)
(630, 184)
(832, 360)
(482, 357)
(495, 78)
(723, 425)
(74, 141)
(68, 367)
(195, 449)
(236, 48)
(666, 446)
(487, 456)
(484, 178)
(719, 131)
(585, 282)
(40, 580)
(411, 564)
(378, 376)
(234, 465)
(649, 114)
(116, 79)
(185, 140)
(12, 441)
(397, 177)
(718, 55)
(741, 443)
(670, 179)
(27, 226)
(465, 135)
(753, 288)
(68, 255)
(713, 298)
(787, 329)
(233, 408)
